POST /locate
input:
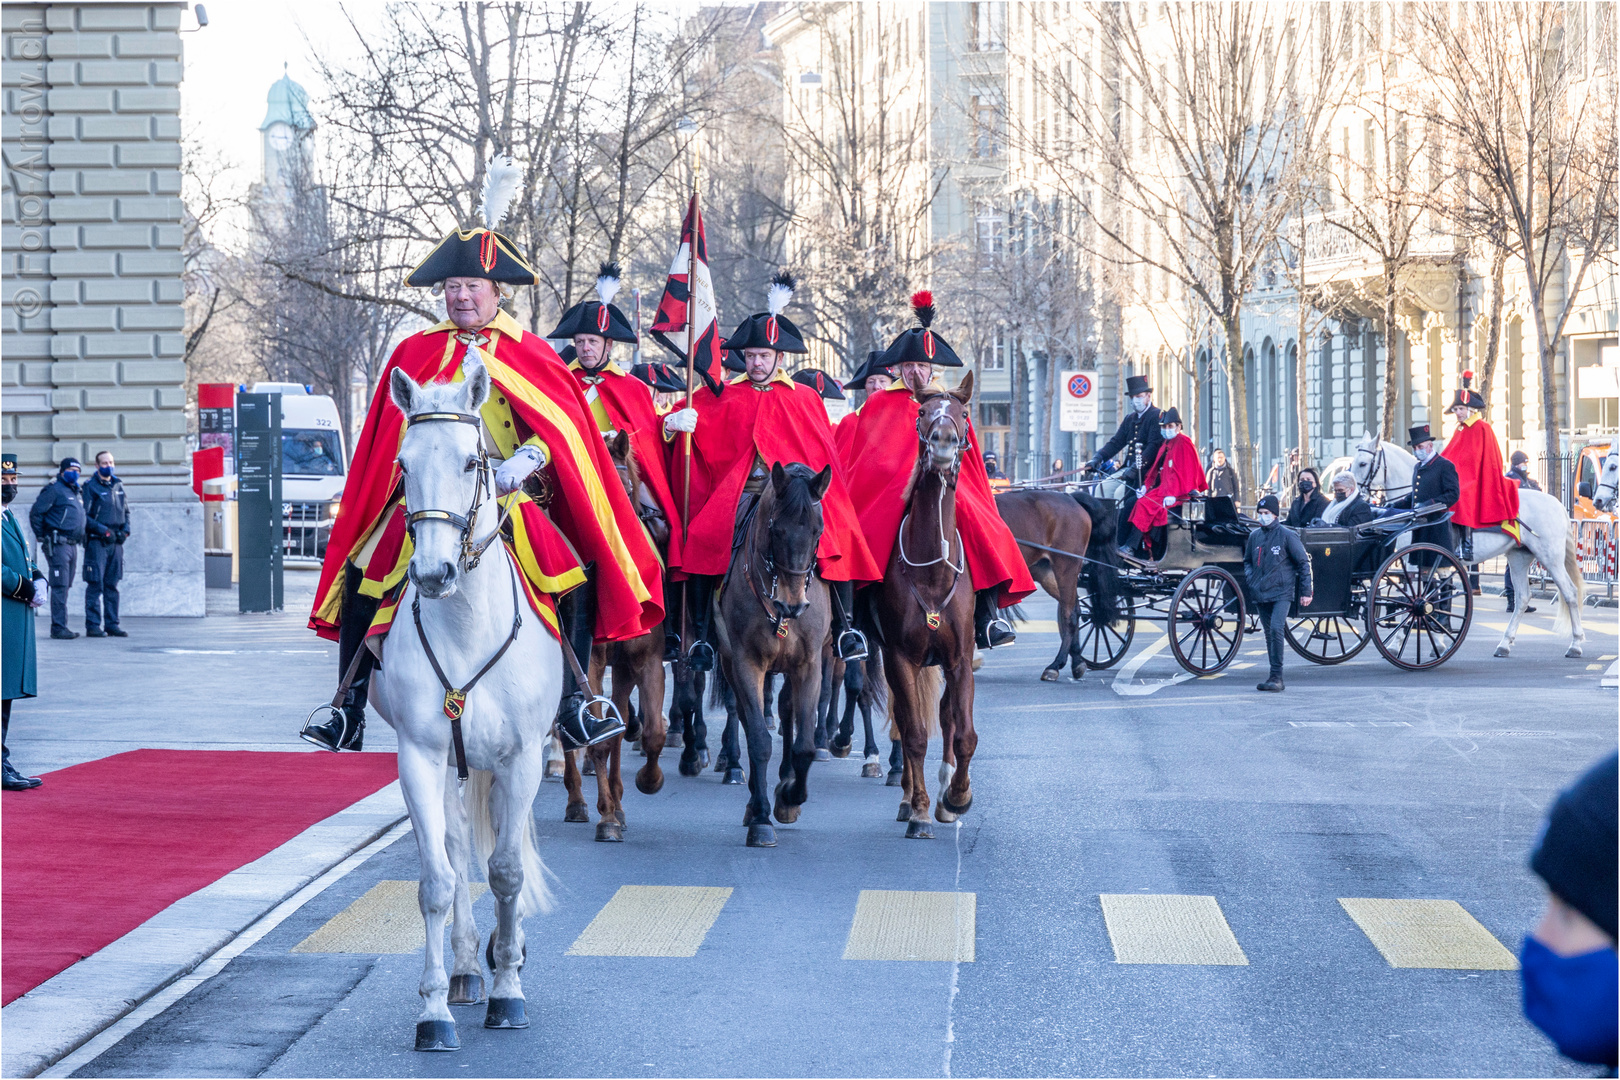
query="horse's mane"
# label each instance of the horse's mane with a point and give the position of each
(796, 501)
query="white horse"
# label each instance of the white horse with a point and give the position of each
(1549, 536)
(466, 611)
(1607, 491)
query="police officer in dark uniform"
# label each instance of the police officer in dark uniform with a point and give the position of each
(57, 518)
(1139, 430)
(1434, 480)
(106, 525)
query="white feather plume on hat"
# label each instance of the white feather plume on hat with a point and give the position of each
(500, 189)
(780, 292)
(607, 282)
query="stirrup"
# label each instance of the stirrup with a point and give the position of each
(672, 646)
(851, 646)
(701, 657)
(1000, 632)
(578, 728)
(334, 734)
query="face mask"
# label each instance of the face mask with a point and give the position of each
(1340, 496)
(1267, 518)
(1424, 453)
(1140, 403)
(1168, 433)
(1307, 485)
(71, 476)
(1572, 999)
(7, 492)
(105, 470)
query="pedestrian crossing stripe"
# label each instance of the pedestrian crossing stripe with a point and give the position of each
(652, 920)
(1169, 929)
(901, 925)
(1428, 934)
(386, 920)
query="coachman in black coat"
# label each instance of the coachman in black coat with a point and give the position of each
(1433, 481)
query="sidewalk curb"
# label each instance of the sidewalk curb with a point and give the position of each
(63, 1013)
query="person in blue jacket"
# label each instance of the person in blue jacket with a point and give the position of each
(20, 593)
(1278, 570)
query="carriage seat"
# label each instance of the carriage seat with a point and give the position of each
(1215, 521)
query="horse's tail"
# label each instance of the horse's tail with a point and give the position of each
(1101, 568)
(536, 896)
(929, 683)
(1017, 613)
(1563, 622)
(875, 687)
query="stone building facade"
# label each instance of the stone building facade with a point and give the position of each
(92, 338)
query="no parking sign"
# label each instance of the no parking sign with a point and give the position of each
(1079, 409)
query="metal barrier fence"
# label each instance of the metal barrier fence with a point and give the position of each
(305, 527)
(1595, 542)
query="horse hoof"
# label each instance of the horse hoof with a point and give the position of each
(823, 754)
(1050, 675)
(895, 776)
(691, 768)
(761, 834)
(905, 811)
(871, 771)
(838, 749)
(577, 813)
(786, 814)
(466, 989)
(608, 832)
(951, 808)
(673, 740)
(942, 815)
(1575, 651)
(650, 781)
(506, 1013)
(553, 775)
(1077, 673)
(436, 1036)
(734, 776)
(703, 759)
(587, 767)
(919, 830)
(489, 953)
(618, 815)
(1501, 651)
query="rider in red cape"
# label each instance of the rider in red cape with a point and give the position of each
(1175, 474)
(618, 401)
(538, 433)
(1488, 498)
(760, 418)
(882, 451)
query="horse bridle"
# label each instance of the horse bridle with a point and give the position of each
(1613, 486)
(775, 610)
(948, 478)
(1380, 464)
(471, 551)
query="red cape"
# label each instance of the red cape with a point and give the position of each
(589, 507)
(1176, 473)
(882, 451)
(629, 404)
(1488, 497)
(785, 422)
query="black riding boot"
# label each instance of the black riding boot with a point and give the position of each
(673, 591)
(990, 630)
(1465, 544)
(700, 605)
(346, 729)
(577, 615)
(851, 642)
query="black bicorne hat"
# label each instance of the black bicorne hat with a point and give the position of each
(872, 365)
(1419, 434)
(664, 378)
(821, 382)
(1467, 396)
(481, 252)
(920, 345)
(769, 329)
(1170, 416)
(599, 316)
(567, 354)
(1137, 384)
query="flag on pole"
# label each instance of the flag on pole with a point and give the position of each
(683, 301)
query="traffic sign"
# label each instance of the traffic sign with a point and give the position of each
(1079, 401)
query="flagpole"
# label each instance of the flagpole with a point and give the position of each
(691, 367)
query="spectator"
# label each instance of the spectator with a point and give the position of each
(57, 518)
(19, 595)
(1310, 502)
(106, 524)
(1349, 507)
(1568, 965)
(1278, 570)
(992, 465)
(1223, 479)
(1519, 470)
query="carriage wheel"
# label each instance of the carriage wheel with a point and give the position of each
(1206, 620)
(1104, 645)
(1327, 639)
(1418, 615)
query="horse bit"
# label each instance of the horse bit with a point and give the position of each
(774, 608)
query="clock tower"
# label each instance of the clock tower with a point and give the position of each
(284, 134)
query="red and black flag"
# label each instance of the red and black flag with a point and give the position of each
(685, 302)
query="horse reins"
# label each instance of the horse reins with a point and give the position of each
(770, 603)
(932, 615)
(471, 551)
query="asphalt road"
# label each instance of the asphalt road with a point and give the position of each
(1359, 782)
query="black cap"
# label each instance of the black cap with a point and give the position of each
(769, 329)
(1519, 457)
(8, 465)
(1419, 434)
(920, 345)
(872, 365)
(599, 316)
(1268, 502)
(1137, 384)
(69, 463)
(1170, 416)
(821, 382)
(1576, 853)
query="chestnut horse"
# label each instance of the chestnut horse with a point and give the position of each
(924, 610)
(637, 664)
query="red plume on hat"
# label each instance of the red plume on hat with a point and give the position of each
(922, 302)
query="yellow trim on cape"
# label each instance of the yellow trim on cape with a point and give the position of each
(523, 549)
(776, 376)
(611, 367)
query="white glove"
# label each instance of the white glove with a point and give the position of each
(40, 595)
(681, 420)
(1141, 492)
(510, 474)
(1169, 501)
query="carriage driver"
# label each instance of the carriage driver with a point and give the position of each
(1434, 480)
(1139, 431)
(540, 440)
(759, 418)
(882, 450)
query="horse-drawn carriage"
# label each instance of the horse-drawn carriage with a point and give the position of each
(1412, 602)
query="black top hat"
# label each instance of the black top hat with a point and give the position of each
(663, 378)
(821, 382)
(872, 365)
(1467, 396)
(920, 345)
(481, 252)
(769, 329)
(599, 316)
(1170, 416)
(1137, 384)
(1419, 434)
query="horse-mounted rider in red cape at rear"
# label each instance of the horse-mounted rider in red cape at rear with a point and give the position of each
(621, 402)
(882, 448)
(1489, 499)
(571, 529)
(757, 419)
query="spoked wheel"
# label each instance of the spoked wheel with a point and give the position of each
(1102, 645)
(1206, 620)
(1327, 639)
(1420, 607)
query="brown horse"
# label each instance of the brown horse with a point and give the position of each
(924, 610)
(1067, 523)
(637, 664)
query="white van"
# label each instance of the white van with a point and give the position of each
(313, 466)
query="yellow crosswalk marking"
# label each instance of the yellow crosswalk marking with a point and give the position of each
(652, 920)
(1169, 929)
(387, 919)
(1428, 934)
(895, 925)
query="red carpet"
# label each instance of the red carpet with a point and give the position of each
(106, 845)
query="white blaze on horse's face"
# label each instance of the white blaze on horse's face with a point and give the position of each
(940, 435)
(439, 461)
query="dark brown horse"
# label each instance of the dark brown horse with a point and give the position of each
(924, 609)
(637, 664)
(1067, 523)
(775, 616)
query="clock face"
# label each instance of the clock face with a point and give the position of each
(280, 137)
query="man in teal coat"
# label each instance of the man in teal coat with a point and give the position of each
(19, 595)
